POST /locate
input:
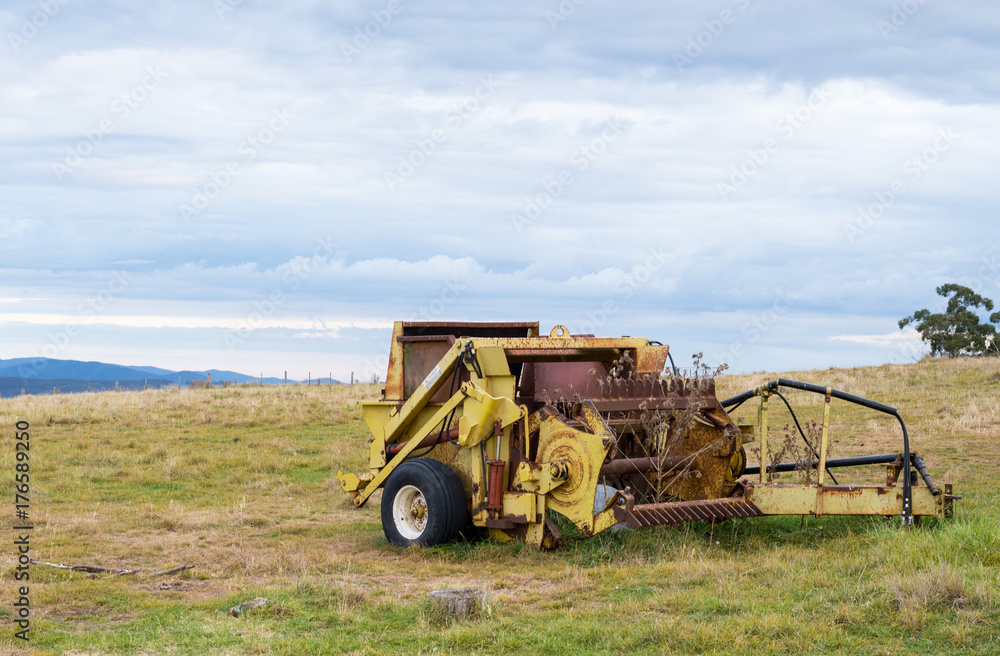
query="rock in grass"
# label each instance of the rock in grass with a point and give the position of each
(460, 604)
(239, 609)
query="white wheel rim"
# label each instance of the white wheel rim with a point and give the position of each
(409, 512)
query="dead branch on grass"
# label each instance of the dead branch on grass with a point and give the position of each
(172, 570)
(93, 570)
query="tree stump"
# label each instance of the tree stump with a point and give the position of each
(459, 604)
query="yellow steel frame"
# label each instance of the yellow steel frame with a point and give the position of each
(816, 500)
(773, 498)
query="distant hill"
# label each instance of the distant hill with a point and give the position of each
(13, 386)
(36, 368)
(41, 375)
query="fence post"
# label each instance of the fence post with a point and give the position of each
(210, 379)
(286, 377)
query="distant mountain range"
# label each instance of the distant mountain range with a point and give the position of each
(41, 375)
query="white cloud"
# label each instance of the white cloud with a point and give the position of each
(902, 337)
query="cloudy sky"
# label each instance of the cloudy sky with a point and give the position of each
(267, 186)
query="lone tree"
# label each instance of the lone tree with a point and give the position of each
(957, 331)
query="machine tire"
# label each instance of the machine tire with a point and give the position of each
(423, 503)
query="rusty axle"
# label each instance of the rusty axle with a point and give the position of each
(623, 466)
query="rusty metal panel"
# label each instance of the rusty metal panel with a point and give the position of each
(405, 339)
(566, 379)
(652, 358)
(471, 328)
(554, 353)
(419, 359)
(394, 376)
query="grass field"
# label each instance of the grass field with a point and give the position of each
(239, 483)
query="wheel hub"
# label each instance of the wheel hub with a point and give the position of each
(409, 512)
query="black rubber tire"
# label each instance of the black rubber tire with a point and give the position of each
(447, 512)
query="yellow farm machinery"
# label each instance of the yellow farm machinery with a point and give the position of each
(494, 425)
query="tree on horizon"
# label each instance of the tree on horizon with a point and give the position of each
(958, 330)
